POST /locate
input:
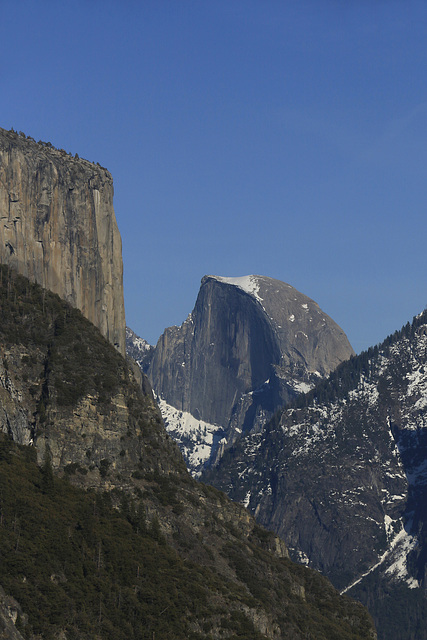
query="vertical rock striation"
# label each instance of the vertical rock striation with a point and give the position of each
(249, 346)
(58, 228)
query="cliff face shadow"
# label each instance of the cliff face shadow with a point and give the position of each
(412, 447)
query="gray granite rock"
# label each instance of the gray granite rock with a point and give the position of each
(249, 346)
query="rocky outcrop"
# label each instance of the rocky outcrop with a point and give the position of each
(66, 391)
(250, 345)
(58, 228)
(138, 349)
(10, 612)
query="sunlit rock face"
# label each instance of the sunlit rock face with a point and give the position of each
(58, 228)
(250, 345)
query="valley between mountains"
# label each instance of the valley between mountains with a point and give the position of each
(104, 534)
(114, 520)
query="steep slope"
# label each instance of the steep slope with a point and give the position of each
(359, 513)
(249, 345)
(58, 228)
(138, 349)
(121, 542)
(68, 392)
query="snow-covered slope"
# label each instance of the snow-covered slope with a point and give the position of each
(138, 348)
(196, 438)
(342, 473)
(249, 284)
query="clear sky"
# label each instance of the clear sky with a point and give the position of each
(285, 138)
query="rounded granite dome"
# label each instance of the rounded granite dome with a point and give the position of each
(301, 328)
(249, 346)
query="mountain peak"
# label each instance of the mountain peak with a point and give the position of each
(249, 284)
(253, 344)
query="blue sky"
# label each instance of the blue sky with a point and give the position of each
(283, 138)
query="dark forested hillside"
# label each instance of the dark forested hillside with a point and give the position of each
(103, 532)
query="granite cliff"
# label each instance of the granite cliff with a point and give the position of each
(249, 346)
(58, 228)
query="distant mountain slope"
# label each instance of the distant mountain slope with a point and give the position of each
(342, 475)
(138, 348)
(109, 536)
(249, 345)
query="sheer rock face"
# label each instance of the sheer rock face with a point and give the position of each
(250, 345)
(58, 228)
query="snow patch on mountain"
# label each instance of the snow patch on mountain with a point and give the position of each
(402, 544)
(300, 387)
(399, 546)
(139, 343)
(249, 284)
(247, 500)
(195, 437)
